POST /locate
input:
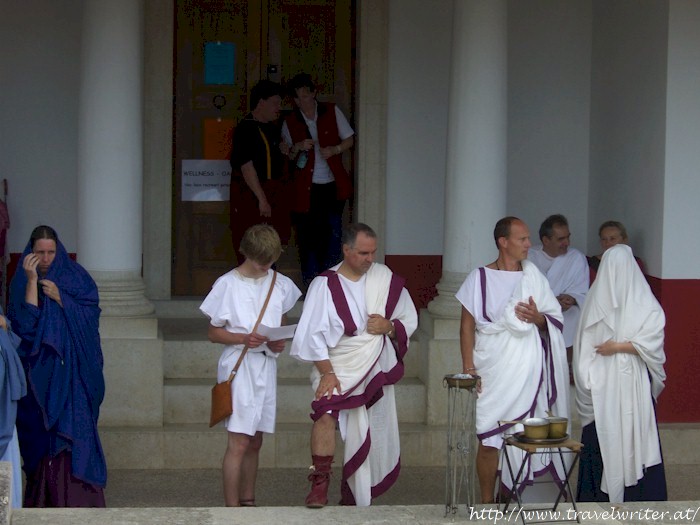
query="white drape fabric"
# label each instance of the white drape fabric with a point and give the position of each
(616, 391)
(567, 274)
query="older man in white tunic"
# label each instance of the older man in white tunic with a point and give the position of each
(355, 327)
(511, 337)
(566, 269)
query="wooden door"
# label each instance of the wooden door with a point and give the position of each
(272, 39)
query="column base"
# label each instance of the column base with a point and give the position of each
(445, 304)
(122, 294)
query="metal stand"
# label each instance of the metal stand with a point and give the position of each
(461, 442)
(569, 446)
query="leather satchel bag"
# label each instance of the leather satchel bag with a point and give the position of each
(221, 395)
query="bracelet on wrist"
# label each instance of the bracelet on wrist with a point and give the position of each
(327, 373)
(468, 369)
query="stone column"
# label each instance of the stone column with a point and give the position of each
(110, 155)
(110, 217)
(475, 191)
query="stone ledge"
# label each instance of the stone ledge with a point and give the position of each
(5, 492)
(667, 512)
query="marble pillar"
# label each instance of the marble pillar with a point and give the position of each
(110, 204)
(110, 155)
(475, 191)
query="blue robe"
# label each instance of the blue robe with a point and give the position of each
(13, 386)
(62, 359)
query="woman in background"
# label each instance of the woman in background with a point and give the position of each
(611, 233)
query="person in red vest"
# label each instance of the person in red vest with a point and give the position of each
(317, 134)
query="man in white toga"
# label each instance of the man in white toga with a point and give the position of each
(510, 336)
(355, 327)
(566, 269)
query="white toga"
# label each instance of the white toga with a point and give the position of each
(521, 375)
(367, 367)
(567, 274)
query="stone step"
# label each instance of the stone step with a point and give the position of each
(199, 359)
(188, 308)
(187, 401)
(196, 446)
(187, 353)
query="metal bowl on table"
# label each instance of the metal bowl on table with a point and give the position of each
(557, 427)
(467, 381)
(536, 427)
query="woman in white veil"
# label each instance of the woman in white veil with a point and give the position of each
(618, 366)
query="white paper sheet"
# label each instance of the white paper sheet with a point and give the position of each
(278, 333)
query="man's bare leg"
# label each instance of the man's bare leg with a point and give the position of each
(249, 470)
(322, 451)
(486, 469)
(323, 436)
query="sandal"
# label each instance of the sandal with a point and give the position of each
(247, 503)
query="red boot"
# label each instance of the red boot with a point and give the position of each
(320, 478)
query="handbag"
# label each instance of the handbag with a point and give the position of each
(221, 396)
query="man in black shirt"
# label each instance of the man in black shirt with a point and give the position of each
(257, 194)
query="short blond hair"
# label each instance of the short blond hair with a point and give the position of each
(261, 243)
(614, 224)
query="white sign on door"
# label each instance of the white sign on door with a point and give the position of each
(206, 180)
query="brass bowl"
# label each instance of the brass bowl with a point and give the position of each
(461, 382)
(557, 427)
(536, 427)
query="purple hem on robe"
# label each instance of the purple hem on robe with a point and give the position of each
(385, 484)
(356, 461)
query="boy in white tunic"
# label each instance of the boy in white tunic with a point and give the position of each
(233, 306)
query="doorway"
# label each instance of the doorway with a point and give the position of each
(272, 39)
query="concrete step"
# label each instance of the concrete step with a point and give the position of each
(199, 359)
(196, 446)
(187, 401)
(187, 353)
(188, 307)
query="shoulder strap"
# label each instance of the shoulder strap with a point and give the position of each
(262, 312)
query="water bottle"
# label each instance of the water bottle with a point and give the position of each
(302, 158)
